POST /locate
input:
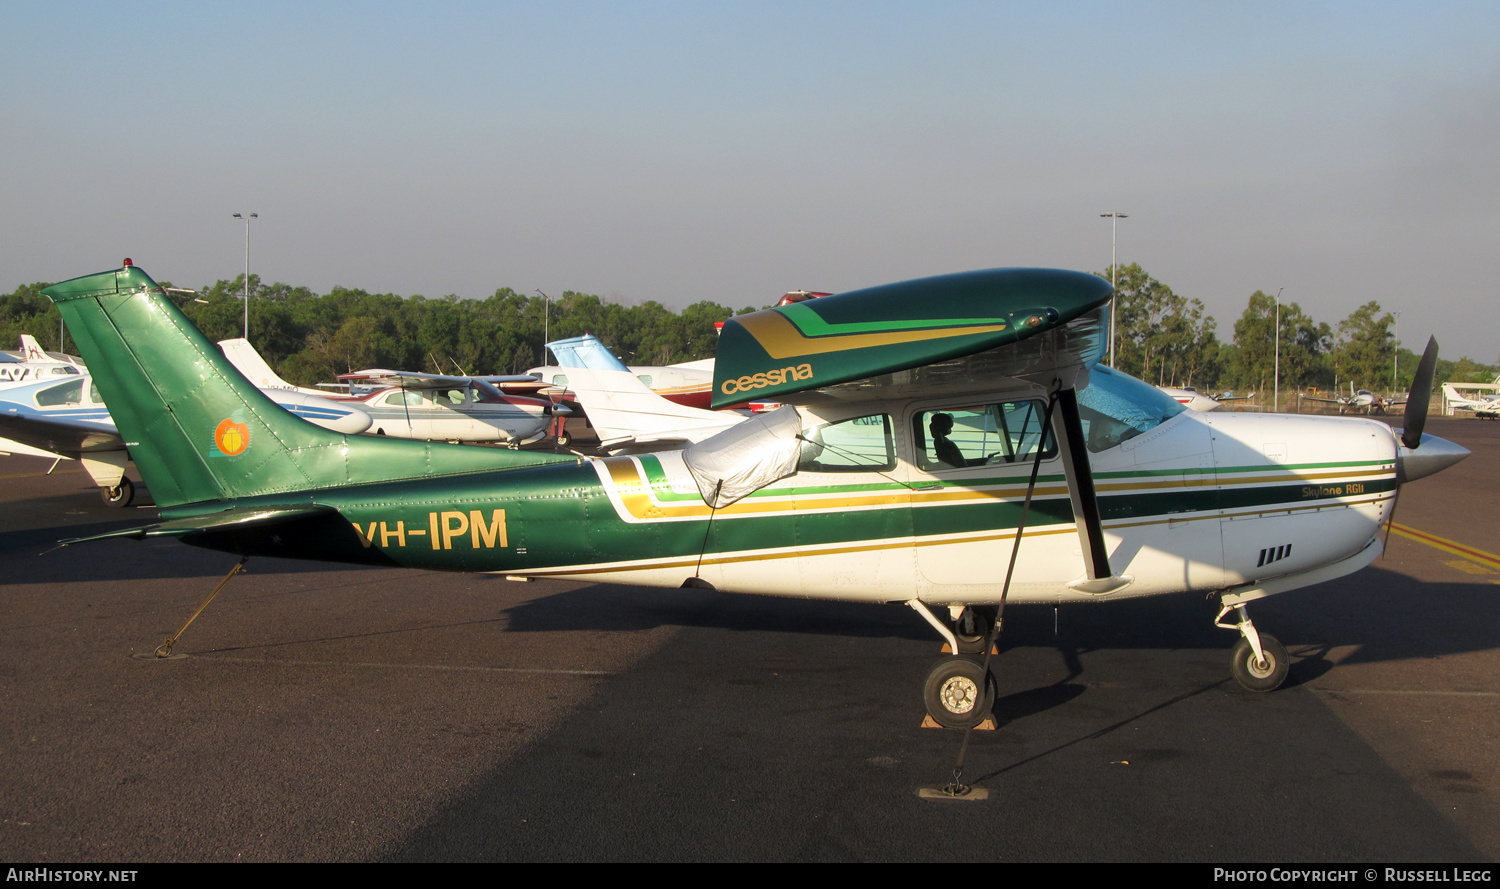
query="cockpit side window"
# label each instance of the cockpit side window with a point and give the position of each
(859, 444)
(1116, 408)
(408, 397)
(979, 435)
(66, 393)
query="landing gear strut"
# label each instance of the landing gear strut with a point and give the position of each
(960, 691)
(973, 627)
(1258, 661)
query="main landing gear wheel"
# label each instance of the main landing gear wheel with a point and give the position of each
(953, 692)
(563, 439)
(973, 628)
(1263, 675)
(120, 495)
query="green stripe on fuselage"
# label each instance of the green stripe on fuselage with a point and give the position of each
(559, 515)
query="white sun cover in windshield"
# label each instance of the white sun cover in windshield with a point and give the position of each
(745, 457)
(1117, 407)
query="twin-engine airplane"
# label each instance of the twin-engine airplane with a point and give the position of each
(951, 444)
(1357, 400)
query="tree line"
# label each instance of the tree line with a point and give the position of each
(1168, 340)
(1162, 337)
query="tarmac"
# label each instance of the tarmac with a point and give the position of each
(326, 713)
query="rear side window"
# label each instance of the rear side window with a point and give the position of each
(860, 444)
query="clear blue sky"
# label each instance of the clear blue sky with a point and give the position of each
(726, 151)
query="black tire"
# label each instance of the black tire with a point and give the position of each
(1259, 676)
(973, 628)
(563, 440)
(120, 495)
(952, 692)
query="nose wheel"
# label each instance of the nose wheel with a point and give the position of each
(1258, 661)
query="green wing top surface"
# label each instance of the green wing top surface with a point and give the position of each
(893, 327)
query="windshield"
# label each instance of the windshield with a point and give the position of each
(1117, 407)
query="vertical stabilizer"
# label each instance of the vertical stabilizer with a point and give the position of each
(248, 362)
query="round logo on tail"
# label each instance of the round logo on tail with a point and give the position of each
(232, 438)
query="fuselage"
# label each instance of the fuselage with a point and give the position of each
(1189, 502)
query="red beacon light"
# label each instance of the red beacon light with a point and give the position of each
(128, 263)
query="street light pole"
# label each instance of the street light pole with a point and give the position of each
(546, 321)
(1114, 219)
(1276, 379)
(246, 220)
(1396, 357)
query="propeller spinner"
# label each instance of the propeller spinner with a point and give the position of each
(1421, 455)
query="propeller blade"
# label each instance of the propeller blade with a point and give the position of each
(1420, 395)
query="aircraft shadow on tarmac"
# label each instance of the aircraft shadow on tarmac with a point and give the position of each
(1379, 615)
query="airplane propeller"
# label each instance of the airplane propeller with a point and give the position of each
(1439, 453)
(1419, 396)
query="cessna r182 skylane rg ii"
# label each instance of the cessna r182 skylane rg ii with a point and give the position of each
(949, 443)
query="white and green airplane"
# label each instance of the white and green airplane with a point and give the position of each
(950, 444)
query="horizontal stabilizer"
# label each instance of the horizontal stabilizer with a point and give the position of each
(231, 519)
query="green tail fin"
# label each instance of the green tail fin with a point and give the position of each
(199, 431)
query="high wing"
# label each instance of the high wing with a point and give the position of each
(941, 334)
(58, 435)
(409, 379)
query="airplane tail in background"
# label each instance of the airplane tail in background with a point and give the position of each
(622, 409)
(248, 362)
(198, 430)
(31, 350)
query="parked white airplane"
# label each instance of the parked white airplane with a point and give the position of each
(437, 407)
(33, 364)
(432, 407)
(1195, 400)
(1482, 399)
(67, 419)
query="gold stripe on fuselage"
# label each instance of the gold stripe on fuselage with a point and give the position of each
(635, 493)
(937, 540)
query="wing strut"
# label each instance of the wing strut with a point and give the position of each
(1067, 427)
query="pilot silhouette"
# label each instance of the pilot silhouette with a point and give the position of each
(946, 450)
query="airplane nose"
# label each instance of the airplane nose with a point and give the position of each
(1432, 454)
